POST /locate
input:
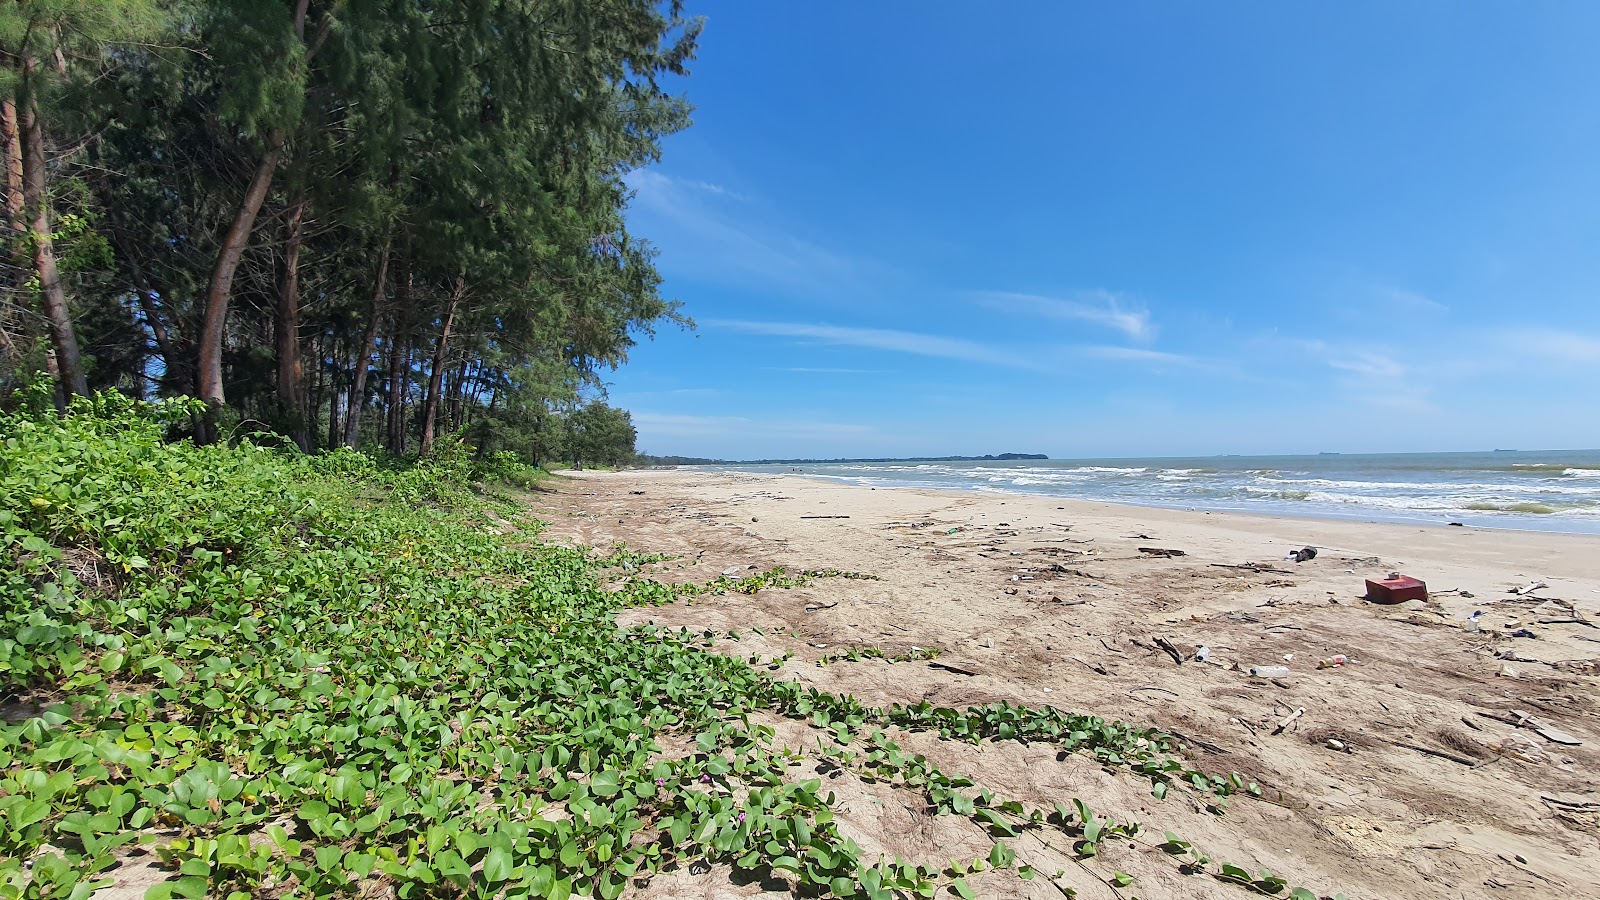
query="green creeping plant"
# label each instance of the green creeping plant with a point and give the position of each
(311, 672)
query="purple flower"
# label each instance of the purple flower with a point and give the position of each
(661, 782)
(704, 779)
(741, 817)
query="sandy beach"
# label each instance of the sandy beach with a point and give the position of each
(1442, 759)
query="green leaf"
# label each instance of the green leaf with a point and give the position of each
(606, 784)
(497, 866)
(959, 885)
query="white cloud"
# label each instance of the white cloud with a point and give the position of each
(1411, 301)
(656, 425)
(706, 231)
(822, 370)
(1558, 346)
(1136, 354)
(1097, 307)
(1368, 364)
(887, 339)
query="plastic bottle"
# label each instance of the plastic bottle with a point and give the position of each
(1270, 671)
(1333, 662)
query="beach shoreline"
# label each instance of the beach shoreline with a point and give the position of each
(1405, 776)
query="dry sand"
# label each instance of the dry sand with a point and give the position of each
(1406, 776)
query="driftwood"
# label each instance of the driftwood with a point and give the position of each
(1252, 567)
(1162, 552)
(824, 517)
(952, 668)
(1289, 720)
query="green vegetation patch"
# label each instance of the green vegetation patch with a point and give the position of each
(292, 674)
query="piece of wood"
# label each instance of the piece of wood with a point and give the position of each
(1171, 650)
(1289, 720)
(1093, 667)
(1439, 753)
(1152, 688)
(824, 517)
(952, 668)
(1162, 552)
(1553, 734)
(1252, 567)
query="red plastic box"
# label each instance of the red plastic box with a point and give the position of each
(1396, 590)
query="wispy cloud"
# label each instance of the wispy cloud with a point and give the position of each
(1559, 346)
(708, 232)
(1411, 301)
(1136, 354)
(887, 339)
(656, 425)
(822, 370)
(1103, 308)
(1367, 363)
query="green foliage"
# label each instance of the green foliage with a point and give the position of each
(312, 672)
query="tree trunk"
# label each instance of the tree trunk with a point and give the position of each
(358, 382)
(220, 288)
(14, 203)
(286, 331)
(53, 298)
(436, 375)
(396, 434)
(457, 394)
(334, 399)
(16, 216)
(400, 356)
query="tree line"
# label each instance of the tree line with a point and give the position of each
(351, 222)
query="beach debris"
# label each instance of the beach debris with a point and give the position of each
(1203, 653)
(1553, 734)
(733, 570)
(1528, 589)
(1332, 662)
(1269, 671)
(1289, 720)
(1438, 753)
(1159, 690)
(1335, 744)
(824, 517)
(1162, 552)
(814, 607)
(1170, 649)
(950, 667)
(952, 531)
(1572, 805)
(1093, 667)
(1396, 588)
(1302, 554)
(1258, 568)
(991, 643)
(1524, 633)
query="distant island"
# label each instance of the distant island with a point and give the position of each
(647, 460)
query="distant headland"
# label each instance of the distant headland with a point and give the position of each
(646, 460)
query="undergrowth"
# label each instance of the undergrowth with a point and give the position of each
(307, 675)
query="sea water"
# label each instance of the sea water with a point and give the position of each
(1542, 490)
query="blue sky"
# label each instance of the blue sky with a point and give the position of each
(1128, 229)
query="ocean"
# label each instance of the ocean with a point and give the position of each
(1535, 490)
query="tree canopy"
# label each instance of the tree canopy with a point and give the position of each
(348, 221)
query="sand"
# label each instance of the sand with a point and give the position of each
(1406, 775)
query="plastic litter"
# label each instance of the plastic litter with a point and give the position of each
(1203, 654)
(1332, 662)
(1270, 671)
